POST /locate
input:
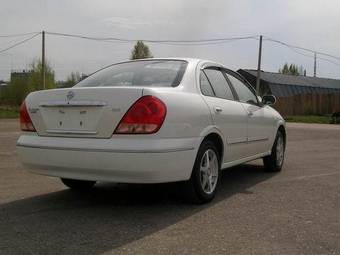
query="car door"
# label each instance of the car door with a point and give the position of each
(227, 113)
(260, 123)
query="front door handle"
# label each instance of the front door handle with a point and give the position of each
(250, 114)
(217, 109)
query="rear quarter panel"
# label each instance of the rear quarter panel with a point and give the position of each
(187, 114)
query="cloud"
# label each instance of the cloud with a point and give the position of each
(135, 23)
(312, 24)
(125, 23)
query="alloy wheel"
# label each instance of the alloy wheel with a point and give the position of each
(209, 171)
(280, 150)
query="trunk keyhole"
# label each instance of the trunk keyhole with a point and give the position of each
(81, 123)
(60, 123)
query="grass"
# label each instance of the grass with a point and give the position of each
(9, 112)
(321, 119)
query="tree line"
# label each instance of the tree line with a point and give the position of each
(21, 83)
(292, 69)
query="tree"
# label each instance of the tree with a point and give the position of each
(72, 80)
(36, 82)
(140, 50)
(24, 83)
(292, 69)
(18, 88)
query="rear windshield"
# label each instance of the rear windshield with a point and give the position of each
(152, 73)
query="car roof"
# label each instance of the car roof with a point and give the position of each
(190, 60)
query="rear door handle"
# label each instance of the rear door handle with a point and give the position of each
(250, 114)
(217, 109)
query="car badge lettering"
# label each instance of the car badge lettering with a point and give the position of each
(70, 95)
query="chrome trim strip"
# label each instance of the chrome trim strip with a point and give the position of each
(258, 139)
(237, 141)
(104, 150)
(73, 132)
(81, 103)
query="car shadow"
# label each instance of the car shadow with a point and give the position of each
(109, 216)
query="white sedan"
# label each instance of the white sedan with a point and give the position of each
(151, 121)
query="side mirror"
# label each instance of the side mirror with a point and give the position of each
(259, 98)
(269, 99)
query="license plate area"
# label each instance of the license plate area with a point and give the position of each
(71, 119)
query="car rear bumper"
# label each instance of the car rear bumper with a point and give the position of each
(117, 159)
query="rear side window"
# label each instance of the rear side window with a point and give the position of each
(149, 73)
(219, 84)
(206, 88)
(245, 95)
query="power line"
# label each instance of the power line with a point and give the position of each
(179, 42)
(330, 61)
(171, 42)
(224, 41)
(18, 35)
(297, 48)
(198, 42)
(90, 37)
(214, 40)
(18, 43)
(301, 48)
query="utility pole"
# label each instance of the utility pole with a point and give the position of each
(314, 64)
(259, 68)
(43, 60)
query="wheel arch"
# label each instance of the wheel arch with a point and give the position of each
(216, 138)
(284, 133)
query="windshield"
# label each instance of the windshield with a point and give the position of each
(152, 73)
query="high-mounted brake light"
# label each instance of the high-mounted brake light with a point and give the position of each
(25, 119)
(145, 116)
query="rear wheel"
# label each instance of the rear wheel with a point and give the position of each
(274, 161)
(205, 174)
(78, 184)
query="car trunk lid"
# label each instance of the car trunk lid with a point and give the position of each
(80, 112)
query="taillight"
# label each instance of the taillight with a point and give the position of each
(145, 116)
(25, 119)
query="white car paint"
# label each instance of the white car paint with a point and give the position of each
(91, 152)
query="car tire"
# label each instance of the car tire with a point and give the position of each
(274, 162)
(78, 184)
(205, 175)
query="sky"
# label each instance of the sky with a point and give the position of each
(313, 24)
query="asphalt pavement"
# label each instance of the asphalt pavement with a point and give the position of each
(296, 211)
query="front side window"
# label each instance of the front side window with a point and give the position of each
(150, 73)
(245, 95)
(219, 84)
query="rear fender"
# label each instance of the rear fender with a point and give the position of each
(213, 130)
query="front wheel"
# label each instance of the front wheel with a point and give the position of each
(78, 184)
(205, 174)
(274, 161)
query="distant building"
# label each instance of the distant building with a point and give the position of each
(23, 75)
(3, 83)
(297, 94)
(3, 88)
(283, 85)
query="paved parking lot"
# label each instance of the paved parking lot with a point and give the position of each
(294, 212)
